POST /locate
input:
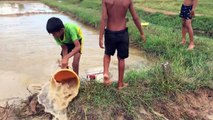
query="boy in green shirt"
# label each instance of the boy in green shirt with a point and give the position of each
(69, 37)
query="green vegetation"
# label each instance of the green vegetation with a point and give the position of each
(174, 6)
(202, 25)
(89, 14)
(188, 70)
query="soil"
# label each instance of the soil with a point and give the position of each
(189, 105)
(151, 10)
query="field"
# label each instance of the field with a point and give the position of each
(189, 70)
(174, 6)
(188, 73)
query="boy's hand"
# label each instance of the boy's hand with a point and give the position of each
(101, 43)
(143, 37)
(64, 63)
(192, 13)
(59, 63)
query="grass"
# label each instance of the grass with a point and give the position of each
(201, 24)
(188, 70)
(174, 6)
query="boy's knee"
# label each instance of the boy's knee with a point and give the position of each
(183, 24)
(188, 26)
(75, 64)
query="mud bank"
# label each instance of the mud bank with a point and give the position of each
(188, 105)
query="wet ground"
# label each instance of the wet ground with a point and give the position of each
(29, 54)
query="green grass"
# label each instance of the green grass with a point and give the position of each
(203, 6)
(75, 7)
(202, 25)
(190, 70)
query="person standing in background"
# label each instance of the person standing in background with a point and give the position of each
(187, 12)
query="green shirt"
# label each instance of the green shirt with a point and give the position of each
(71, 33)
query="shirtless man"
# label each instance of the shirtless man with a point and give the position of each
(187, 12)
(113, 26)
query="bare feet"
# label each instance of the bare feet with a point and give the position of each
(107, 81)
(183, 42)
(123, 86)
(191, 46)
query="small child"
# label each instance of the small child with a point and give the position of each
(187, 12)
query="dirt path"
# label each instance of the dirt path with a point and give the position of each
(151, 10)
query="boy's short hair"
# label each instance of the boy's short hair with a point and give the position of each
(54, 24)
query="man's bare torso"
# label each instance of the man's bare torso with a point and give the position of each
(116, 12)
(188, 2)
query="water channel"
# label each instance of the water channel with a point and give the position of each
(29, 54)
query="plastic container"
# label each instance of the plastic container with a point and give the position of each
(66, 75)
(95, 74)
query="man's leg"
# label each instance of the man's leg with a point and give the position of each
(106, 60)
(184, 31)
(121, 68)
(191, 34)
(75, 63)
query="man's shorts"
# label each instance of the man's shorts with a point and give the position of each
(71, 46)
(117, 40)
(185, 12)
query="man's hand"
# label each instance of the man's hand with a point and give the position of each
(101, 43)
(143, 37)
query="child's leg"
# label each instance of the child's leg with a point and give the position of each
(121, 68)
(191, 34)
(75, 63)
(106, 60)
(184, 31)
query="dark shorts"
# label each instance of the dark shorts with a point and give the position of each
(117, 40)
(70, 47)
(185, 12)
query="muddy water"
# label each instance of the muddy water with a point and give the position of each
(29, 54)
